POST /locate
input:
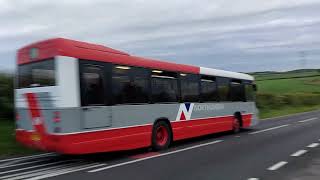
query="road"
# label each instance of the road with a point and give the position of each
(279, 148)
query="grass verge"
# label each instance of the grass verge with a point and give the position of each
(8, 144)
(271, 113)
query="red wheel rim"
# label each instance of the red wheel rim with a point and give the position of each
(162, 136)
(236, 124)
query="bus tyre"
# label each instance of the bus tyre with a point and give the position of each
(161, 136)
(236, 125)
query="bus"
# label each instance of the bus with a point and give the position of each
(74, 97)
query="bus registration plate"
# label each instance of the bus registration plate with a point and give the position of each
(35, 137)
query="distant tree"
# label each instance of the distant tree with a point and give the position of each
(6, 96)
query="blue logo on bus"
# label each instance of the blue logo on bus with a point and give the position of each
(185, 111)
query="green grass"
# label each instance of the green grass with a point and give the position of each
(278, 97)
(295, 85)
(265, 113)
(8, 145)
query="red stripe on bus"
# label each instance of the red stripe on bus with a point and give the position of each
(33, 105)
(39, 135)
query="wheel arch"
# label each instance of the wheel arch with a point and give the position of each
(238, 115)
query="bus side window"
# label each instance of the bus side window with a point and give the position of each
(237, 92)
(141, 82)
(130, 85)
(208, 89)
(93, 85)
(121, 87)
(223, 88)
(250, 92)
(164, 86)
(189, 87)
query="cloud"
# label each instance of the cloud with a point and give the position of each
(246, 35)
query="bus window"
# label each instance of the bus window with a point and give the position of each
(208, 89)
(237, 92)
(141, 81)
(189, 87)
(223, 89)
(164, 86)
(37, 74)
(250, 92)
(93, 85)
(121, 92)
(129, 84)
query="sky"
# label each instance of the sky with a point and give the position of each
(244, 35)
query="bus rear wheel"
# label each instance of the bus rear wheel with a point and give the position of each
(236, 125)
(161, 136)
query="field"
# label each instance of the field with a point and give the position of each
(293, 85)
(288, 92)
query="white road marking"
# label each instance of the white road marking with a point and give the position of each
(277, 166)
(9, 163)
(13, 165)
(67, 171)
(37, 170)
(306, 120)
(31, 167)
(39, 173)
(155, 156)
(29, 157)
(313, 145)
(269, 129)
(253, 179)
(299, 153)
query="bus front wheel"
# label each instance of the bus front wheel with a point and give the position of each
(161, 136)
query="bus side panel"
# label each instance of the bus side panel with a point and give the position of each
(132, 126)
(207, 118)
(199, 127)
(137, 137)
(102, 141)
(247, 120)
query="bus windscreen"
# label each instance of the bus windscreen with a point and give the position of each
(37, 74)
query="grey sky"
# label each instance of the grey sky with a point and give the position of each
(246, 35)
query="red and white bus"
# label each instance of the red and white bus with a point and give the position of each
(74, 97)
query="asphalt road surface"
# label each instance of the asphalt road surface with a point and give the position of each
(279, 148)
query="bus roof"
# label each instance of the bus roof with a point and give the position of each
(82, 50)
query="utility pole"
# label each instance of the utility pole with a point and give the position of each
(303, 60)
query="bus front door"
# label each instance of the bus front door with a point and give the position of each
(96, 116)
(95, 113)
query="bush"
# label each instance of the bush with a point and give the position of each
(6, 96)
(274, 101)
